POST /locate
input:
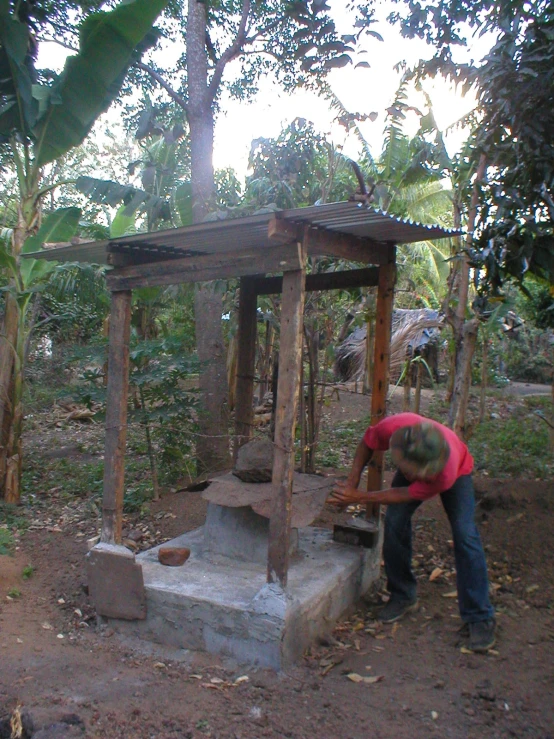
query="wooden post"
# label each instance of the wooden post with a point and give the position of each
(116, 417)
(381, 366)
(246, 362)
(290, 358)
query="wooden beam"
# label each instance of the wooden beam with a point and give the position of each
(207, 267)
(280, 231)
(367, 277)
(322, 242)
(247, 331)
(116, 417)
(381, 368)
(290, 358)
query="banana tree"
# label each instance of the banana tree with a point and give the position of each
(39, 123)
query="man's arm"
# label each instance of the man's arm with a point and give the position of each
(362, 456)
(344, 495)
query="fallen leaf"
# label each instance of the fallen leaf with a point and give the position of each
(465, 650)
(451, 594)
(437, 572)
(196, 677)
(532, 588)
(47, 626)
(493, 651)
(434, 715)
(367, 680)
(159, 666)
(241, 679)
(216, 681)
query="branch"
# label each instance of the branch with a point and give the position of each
(230, 53)
(181, 102)
(262, 31)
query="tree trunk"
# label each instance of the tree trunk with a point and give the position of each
(14, 458)
(7, 348)
(407, 394)
(462, 384)
(484, 370)
(212, 449)
(459, 289)
(417, 394)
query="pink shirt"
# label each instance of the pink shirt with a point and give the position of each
(460, 461)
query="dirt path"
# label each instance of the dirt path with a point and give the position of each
(56, 661)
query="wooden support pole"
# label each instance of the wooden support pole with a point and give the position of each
(116, 417)
(381, 366)
(244, 392)
(290, 358)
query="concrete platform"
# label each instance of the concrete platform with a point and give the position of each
(219, 605)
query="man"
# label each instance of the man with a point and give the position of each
(430, 460)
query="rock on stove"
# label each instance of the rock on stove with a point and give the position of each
(173, 556)
(255, 461)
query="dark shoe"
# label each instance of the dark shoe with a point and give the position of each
(481, 635)
(395, 610)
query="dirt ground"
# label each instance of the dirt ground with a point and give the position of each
(58, 663)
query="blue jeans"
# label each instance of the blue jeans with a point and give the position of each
(471, 567)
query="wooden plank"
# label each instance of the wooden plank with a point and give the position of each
(116, 417)
(290, 357)
(381, 367)
(322, 242)
(367, 277)
(205, 268)
(247, 331)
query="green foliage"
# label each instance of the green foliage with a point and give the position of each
(528, 357)
(283, 169)
(74, 304)
(536, 304)
(14, 593)
(338, 443)
(160, 371)
(161, 401)
(28, 572)
(515, 85)
(59, 117)
(515, 446)
(7, 543)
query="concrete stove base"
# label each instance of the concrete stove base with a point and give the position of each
(222, 606)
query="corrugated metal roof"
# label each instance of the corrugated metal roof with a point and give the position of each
(218, 237)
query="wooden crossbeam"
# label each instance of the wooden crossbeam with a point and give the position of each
(367, 277)
(321, 242)
(208, 267)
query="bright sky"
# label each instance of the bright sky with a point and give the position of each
(360, 90)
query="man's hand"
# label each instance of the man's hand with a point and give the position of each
(344, 494)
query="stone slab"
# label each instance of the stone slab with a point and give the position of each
(115, 582)
(224, 607)
(239, 533)
(309, 493)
